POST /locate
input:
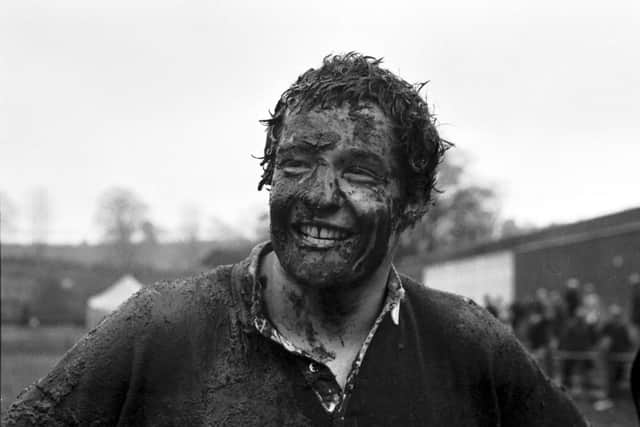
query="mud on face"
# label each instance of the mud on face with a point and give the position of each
(336, 197)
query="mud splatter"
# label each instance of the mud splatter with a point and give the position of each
(317, 348)
(364, 123)
(297, 302)
(323, 139)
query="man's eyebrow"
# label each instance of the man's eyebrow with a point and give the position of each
(294, 149)
(365, 155)
(353, 153)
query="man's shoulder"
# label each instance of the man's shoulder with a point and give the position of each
(211, 284)
(460, 316)
(169, 301)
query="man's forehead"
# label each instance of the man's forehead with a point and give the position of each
(304, 115)
(364, 124)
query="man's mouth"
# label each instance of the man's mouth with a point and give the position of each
(321, 235)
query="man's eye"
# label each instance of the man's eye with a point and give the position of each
(361, 175)
(294, 167)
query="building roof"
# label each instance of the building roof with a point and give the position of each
(619, 222)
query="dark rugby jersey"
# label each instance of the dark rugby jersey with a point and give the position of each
(189, 352)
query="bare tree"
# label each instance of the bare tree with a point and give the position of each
(462, 215)
(190, 224)
(40, 215)
(220, 230)
(149, 233)
(120, 215)
(8, 214)
(262, 228)
(190, 233)
(510, 227)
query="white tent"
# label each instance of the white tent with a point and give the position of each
(100, 305)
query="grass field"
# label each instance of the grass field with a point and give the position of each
(28, 354)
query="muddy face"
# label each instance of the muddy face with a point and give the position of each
(335, 195)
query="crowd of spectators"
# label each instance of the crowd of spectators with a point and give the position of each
(576, 340)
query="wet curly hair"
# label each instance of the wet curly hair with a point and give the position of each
(355, 78)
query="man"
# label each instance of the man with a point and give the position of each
(615, 340)
(573, 296)
(315, 327)
(635, 382)
(578, 338)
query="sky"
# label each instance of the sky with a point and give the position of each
(164, 97)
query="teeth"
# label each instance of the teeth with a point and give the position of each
(322, 232)
(308, 230)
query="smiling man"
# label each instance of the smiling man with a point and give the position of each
(335, 206)
(315, 327)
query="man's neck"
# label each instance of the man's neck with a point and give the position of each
(329, 323)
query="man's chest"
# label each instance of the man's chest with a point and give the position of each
(269, 386)
(240, 387)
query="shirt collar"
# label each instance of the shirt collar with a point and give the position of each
(395, 290)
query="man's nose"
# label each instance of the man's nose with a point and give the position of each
(323, 192)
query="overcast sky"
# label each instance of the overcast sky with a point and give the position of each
(164, 97)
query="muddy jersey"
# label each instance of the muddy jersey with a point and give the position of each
(189, 353)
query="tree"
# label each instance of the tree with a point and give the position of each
(510, 227)
(120, 215)
(262, 228)
(190, 224)
(462, 215)
(190, 231)
(149, 233)
(40, 215)
(8, 215)
(221, 231)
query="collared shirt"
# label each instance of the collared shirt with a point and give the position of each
(322, 381)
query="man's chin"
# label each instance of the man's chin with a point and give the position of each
(312, 267)
(321, 280)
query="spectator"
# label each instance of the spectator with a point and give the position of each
(572, 296)
(559, 313)
(539, 338)
(591, 303)
(519, 320)
(491, 306)
(539, 331)
(501, 308)
(541, 302)
(635, 383)
(634, 281)
(578, 339)
(616, 340)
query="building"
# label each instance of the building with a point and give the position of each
(603, 251)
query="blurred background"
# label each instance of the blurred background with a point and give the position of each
(129, 131)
